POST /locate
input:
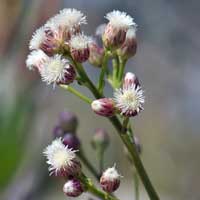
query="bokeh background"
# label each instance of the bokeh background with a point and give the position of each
(167, 63)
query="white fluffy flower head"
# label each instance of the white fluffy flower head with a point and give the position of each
(54, 70)
(131, 33)
(36, 59)
(79, 41)
(120, 19)
(129, 99)
(59, 156)
(111, 173)
(37, 38)
(68, 18)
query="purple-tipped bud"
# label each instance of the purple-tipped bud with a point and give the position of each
(100, 139)
(68, 122)
(79, 48)
(71, 141)
(58, 131)
(115, 31)
(113, 37)
(73, 188)
(104, 107)
(110, 180)
(96, 54)
(130, 79)
(69, 75)
(129, 47)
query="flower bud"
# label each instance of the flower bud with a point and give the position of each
(129, 47)
(61, 159)
(96, 54)
(130, 79)
(73, 188)
(79, 48)
(115, 31)
(58, 131)
(68, 122)
(71, 141)
(110, 180)
(69, 75)
(104, 107)
(100, 139)
(57, 70)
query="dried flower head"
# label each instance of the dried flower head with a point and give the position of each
(73, 188)
(36, 60)
(37, 38)
(62, 159)
(129, 100)
(115, 31)
(110, 180)
(57, 71)
(79, 47)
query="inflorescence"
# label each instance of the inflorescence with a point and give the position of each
(58, 50)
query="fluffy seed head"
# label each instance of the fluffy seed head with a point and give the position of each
(68, 18)
(36, 60)
(110, 180)
(73, 188)
(129, 100)
(61, 159)
(37, 38)
(57, 70)
(120, 19)
(104, 107)
(79, 47)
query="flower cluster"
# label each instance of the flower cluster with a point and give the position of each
(58, 50)
(54, 43)
(127, 100)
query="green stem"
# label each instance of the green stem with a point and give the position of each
(135, 156)
(103, 71)
(136, 185)
(122, 63)
(125, 138)
(115, 63)
(101, 159)
(77, 93)
(88, 164)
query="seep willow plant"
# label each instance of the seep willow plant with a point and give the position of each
(58, 50)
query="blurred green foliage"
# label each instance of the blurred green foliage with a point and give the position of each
(14, 128)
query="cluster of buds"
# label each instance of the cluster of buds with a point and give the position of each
(127, 100)
(63, 162)
(54, 43)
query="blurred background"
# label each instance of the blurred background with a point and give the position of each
(167, 64)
